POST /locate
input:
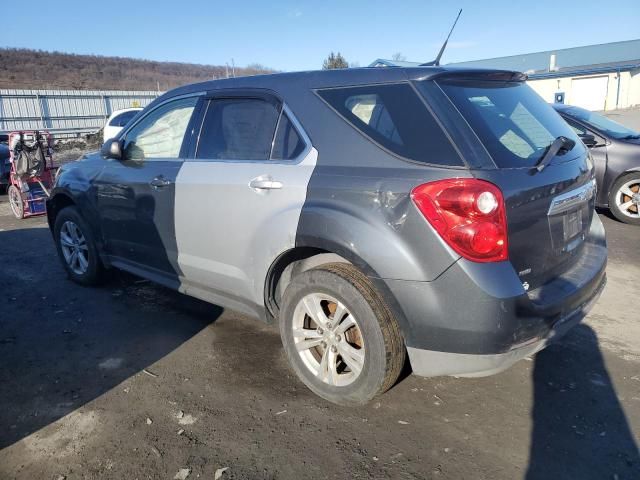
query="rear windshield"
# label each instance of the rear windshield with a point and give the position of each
(515, 125)
(394, 117)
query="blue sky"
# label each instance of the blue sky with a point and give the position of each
(297, 35)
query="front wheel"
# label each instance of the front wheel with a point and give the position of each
(625, 198)
(15, 200)
(77, 248)
(340, 337)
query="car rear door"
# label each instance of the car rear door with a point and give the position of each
(238, 199)
(135, 195)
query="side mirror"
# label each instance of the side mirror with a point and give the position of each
(588, 139)
(112, 149)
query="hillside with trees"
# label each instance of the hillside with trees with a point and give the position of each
(23, 68)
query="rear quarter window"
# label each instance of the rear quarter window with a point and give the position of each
(394, 117)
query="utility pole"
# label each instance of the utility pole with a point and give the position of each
(226, 65)
(233, 68)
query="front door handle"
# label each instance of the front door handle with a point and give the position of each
(160, 181)
(262, 183)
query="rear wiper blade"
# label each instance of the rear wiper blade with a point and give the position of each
(559, 145)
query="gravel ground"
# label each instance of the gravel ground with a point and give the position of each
(134, 381)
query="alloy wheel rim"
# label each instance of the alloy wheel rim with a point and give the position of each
(328, 339)
(74, 248)
(628, 198)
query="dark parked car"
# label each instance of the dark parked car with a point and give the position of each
(615, 150)
(5, 166)
(373, 213)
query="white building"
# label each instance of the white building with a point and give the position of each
(596, 77)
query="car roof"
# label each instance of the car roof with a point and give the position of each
(342, 77)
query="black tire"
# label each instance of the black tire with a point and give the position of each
(384, 350)
(94, 273)
(615, 192)
(15, 200)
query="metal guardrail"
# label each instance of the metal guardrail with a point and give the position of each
(65, 113)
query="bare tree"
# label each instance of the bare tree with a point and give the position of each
(398, 57)
(25, 68)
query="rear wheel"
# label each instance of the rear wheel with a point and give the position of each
(77, 248)
(15, 200)
(624, 201)
(340, 337)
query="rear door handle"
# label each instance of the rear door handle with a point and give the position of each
(160, 181)
(262, 183)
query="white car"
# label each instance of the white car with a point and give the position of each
(116, 121)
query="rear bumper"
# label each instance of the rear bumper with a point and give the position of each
(429, 363)
(477, 319)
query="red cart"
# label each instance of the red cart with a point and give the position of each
(32, 172)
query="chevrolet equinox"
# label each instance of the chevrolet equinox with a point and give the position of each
(442, 214)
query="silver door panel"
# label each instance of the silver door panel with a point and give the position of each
(228, 231)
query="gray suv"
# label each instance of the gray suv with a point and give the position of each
(445, 215)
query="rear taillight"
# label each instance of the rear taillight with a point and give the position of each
(469, 214)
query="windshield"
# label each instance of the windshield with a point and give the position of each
(601, 123)
(515, 125)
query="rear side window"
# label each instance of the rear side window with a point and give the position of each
(238, 129)
(396, 118)
(122, 119)
(515, 125)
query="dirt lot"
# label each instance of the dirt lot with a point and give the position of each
(134, 381)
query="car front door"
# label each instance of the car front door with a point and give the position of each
(239, 198)
(136, 194)
(597, 148)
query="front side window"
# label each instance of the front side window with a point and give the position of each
(238, 129)
(395, 117)
(579, 129)
(514, 124)
(122, 119)
(160, 134)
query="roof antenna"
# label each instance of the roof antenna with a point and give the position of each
(436, 62)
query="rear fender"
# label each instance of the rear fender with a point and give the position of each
(397, 244)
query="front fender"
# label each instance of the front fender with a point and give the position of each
(74, 185)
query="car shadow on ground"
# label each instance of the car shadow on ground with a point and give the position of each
(62, 345)
(579, 426)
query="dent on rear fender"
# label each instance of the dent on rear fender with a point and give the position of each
(391, 239)
(394, 206)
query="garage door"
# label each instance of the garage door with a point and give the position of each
(589, 93)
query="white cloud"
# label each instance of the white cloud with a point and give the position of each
(295, 13)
